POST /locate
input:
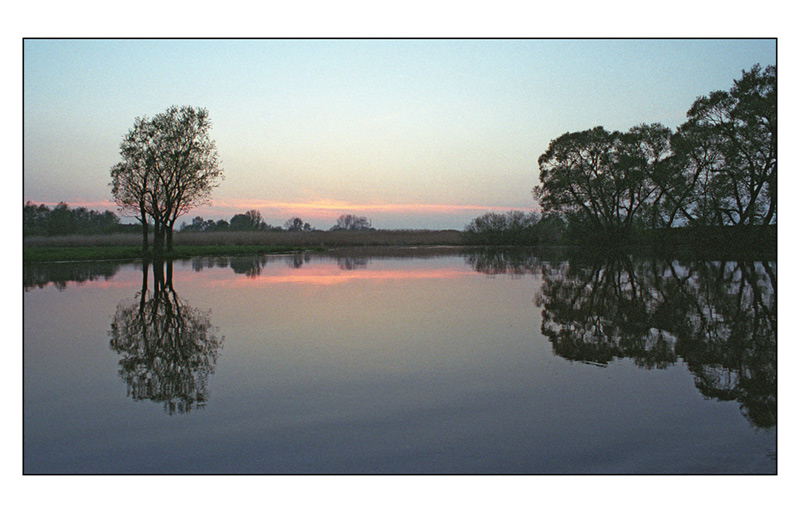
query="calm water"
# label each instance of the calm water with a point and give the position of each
(412, 362)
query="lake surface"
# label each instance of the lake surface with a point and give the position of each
(406, 361)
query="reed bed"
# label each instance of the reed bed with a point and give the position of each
(74, 241)
(339, 238)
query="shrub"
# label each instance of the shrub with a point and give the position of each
(511, 228)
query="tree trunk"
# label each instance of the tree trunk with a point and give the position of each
(169, 230)
(144, 227)
(145, 245)
(770, 212)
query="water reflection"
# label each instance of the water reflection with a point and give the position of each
(406, 366)
(168, 348)
(492, 261)
(42, 275)
(718, 317)
(252, 266)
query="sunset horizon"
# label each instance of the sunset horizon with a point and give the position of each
(413, 134)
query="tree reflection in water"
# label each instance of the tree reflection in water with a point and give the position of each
(168, 348)
(718, 317)
(59, 275)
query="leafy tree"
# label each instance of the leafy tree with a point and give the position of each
(582, 177)
(719, 168)
(198, 225)
(573, 174)
(612, 183)
(189, 165)
(131, 179)
(295, 224)
(169, 166)
(698, 192)
(34, 219)
(351, 222)
(739, 131)
(202, 225)
(647, 189)
(249, 221)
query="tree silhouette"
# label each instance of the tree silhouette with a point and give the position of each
(719, 168)
(168, 166)
(249, 221)
(740, 129)
(351, 222)
(295, 224)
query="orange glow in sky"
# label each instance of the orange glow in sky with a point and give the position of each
(327, 208)
(316, 211)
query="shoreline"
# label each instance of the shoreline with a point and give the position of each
(727, 243)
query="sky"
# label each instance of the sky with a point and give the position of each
(410, 133)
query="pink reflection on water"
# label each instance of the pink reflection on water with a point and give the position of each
(319, 275)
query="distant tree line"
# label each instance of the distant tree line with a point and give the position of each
(717, 169)
(63, 220)
(252, 221)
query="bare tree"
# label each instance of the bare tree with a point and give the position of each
(295, 224)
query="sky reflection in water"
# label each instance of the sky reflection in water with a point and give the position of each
(431, 362)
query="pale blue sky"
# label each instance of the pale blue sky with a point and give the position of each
(410, 133)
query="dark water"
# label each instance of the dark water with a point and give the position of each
(406, 362)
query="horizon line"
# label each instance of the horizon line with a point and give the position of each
(324, 207)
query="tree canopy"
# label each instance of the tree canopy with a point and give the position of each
(168, 166)
(351, 222)
(249, 221)
(295, 224)
(719, 168)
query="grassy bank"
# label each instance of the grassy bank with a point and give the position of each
(284, 238)
(68, 254)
